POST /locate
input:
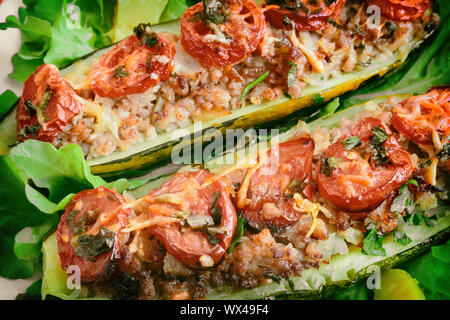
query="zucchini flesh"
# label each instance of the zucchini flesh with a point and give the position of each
(140, 157)
(342, 271)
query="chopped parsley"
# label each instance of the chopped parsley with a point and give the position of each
(89, 246)
(238, 233)
(120, 72)
(253, 84)
(334, 23)
(144, 33)
(329, 165)
(404, 201)
(445, 152)
(419, 218)
(373, 244)
(401, 238)
(292, 74)
(351, 142)
(329, 2)
(391, 26)
(213, 11)
(317, 98)
(376, 142)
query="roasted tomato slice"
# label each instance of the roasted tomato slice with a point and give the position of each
(133, 65)
(420, 116)
(359, 177)
(197, 244)
(47, 105)
(265, 195)
(91, 253)
(222, 35)
(401, 10)
(306, 15)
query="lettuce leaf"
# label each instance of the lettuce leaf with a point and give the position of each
(56, 32)
(7, 100)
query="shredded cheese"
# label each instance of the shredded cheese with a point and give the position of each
(304, 205)
(315, 62)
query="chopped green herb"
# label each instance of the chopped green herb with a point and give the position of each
(144, 33)
(401, 238)
(89, 246)
(329, 2)
(404, 201)
(120, 72)
(391, 26)
(373, 244)
(419, 218)
(292, 74)
(287, 21)
(376, 142)
(351, 142)
(253, 84)
(329, 165)
(213, 11)
(334, 23)
(30, 107)
(77, 228)
(445, 152)
(318, 98)
(238, 233)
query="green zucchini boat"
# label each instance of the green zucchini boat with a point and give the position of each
(303, 243)
(128, 114)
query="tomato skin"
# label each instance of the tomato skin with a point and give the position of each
(246, 36)
(131, 55)
(61, 108)
(419, 116)
(101, 198)
(302, 20)
(384, 179)
(401, 10)
(271, 185)
(188, 246)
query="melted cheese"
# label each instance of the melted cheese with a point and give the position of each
(106, 118)
(184, 63)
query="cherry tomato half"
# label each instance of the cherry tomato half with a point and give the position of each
(401, 10)
(286, 170)
(187, 244)
(352, 179)
(47, 105)
(243, 29)
(81, 213)
(311, 15)
(418, 117)
(132, 67)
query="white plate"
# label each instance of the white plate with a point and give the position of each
(10, 43)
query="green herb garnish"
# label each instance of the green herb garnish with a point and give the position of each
(120, 72)
(292, 74)
(89, 246)
(376, 142)
(373, 244)
(238, 233)
(334, 23)
(404, 201)
(329, 165)
(317, 98)
(351, 142)
(401, 238)
(253, 84)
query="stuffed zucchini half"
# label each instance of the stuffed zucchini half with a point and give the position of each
(231, 66)
(314, 211)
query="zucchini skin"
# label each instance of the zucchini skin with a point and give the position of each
(135, 164)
